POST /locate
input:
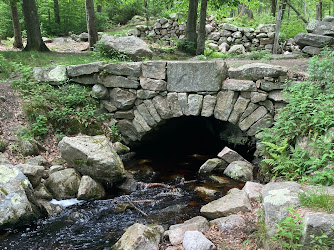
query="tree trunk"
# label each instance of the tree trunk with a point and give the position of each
(146, 12)
(243, 10)
(201, 32)
(56, 11)
(91, 23)
(16, 26)
(277, 29)
(191, 35)
(34, 37)
(273, 7)
(297, 12)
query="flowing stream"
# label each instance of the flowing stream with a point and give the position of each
(99, 224)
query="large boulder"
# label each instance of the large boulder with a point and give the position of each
(256, 71)
(17, 200)
(54, 75)
(240, 170)
(194, 76)
(235, 201)
(139, 236)
(194, 240)
(33, 172)
(176, 232)
(277, 198)
(64, 184)
(132, 46)
(320, 28)
(314, 40)
(93, 156)
(90, 189)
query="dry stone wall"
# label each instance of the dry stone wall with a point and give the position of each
(141, 95)
(221, 37)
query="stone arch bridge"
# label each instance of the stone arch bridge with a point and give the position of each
(142, 95)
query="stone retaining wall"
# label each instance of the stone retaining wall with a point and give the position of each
(220, 36)
(141, 95)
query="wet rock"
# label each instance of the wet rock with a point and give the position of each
(229, 155)
(129, 185)
(253, 190)
(211, 165)
(41, 192)
(317, 224)
(240, 171)
(55, 75)
(132, 46)
(228, 222)
(89, 189)
(206, 191)
(18, 204)
(64, 184)
(93, 156)
(83, 69)
(256, 71)
(139, 236)
(235, 201)
(219, 179)
(194, 76)
(51, 209)
(176, 232)
(33, 172)
(120, 148)
(277, 197)
(122, 99)
(196, 240)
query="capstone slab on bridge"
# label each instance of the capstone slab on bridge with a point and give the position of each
(142, 95)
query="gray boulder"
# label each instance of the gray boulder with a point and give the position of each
(311, 50)
(90, 189)
(99, 91)
(211, 165)
(28, 148)
(317, 224)
(64, 184)
(121, 148)
(195, 240)
(320, 28)
(41, 192)
(176, 232)
(240, 170)
(84, 69)
(237, 49)
(55, 75)
(256, 71)
(277, 197)
(194, 76)
(139, 236)
(235, 201)
(328, 19)
(253, 190)
(229, 155)
(83, 37)
(307, 39)
(122, 98)
(93, 156)
(37, 160)
(33, 172)
(132, 46)
(18, 203)
(228, 222)
(3, 159)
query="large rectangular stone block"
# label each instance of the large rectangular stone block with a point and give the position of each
(194, 76)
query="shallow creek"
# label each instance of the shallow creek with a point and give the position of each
(99, 224)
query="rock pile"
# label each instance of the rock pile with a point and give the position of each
(222, 37)
(320, 34)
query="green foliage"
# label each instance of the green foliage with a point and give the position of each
(103, 52)
(120, 12)
(6, 68)
(290, 28)
(186, 46)
(259, 55)
(321, 242)
(3, 146)
(309, 113)
(318, 200)
(289, 230)
(114, 134)
(321, 67)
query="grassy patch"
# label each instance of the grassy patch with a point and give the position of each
(318, 200)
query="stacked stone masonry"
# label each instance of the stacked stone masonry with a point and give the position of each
(222, 37)
(142, 95)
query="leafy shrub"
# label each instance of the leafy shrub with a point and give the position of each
(6, 68)
(319, 200)
(309, 113)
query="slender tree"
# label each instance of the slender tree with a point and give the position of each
(34, 37)
(91, 23)
(201, 31)
(56, 11)
(16, 25)
(191, 35)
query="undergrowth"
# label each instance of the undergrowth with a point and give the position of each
(309, 114)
